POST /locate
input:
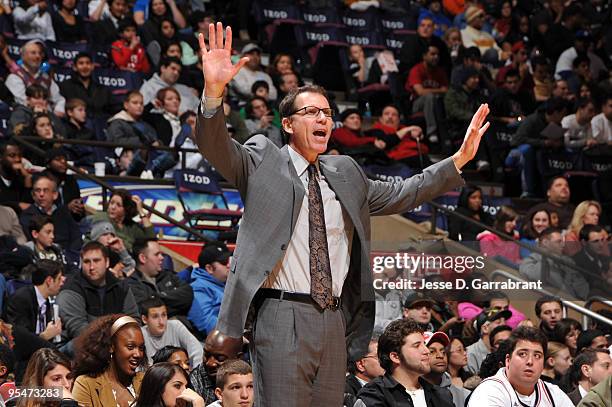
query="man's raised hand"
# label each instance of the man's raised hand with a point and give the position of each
(216, 61)
(473, 135)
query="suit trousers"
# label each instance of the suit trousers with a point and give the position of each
(299, 355)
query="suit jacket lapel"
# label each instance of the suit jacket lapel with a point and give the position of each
(342, 188)
(298, 188)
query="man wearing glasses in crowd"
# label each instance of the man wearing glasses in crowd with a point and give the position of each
(302, 255)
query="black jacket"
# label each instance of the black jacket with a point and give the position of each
(385, 391)
(67, 232)
(98, 98)
(352, 385)
(174, 292)
(22, 309)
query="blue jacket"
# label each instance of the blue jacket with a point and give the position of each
(207, 297)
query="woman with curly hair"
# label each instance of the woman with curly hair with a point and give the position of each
(48, 368)
(109, 354)
(122, 208)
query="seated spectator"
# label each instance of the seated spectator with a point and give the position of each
(359, 66)
(577, 126)
(127, 52)
(82, 86)
(34, 72)
(191, 75)
(586, 213)
(580, 74)
(67, 23)
(417, 44)
(208, 283)
(234, 385)
(519, 381)
(557, 362)
(590, 367)
(562, 275)
(566, 331)
(173, 354)
(364, 146)
(473, 35)
(33, 21)
(434, 11)
(154, 11)
(216, 352)
(548, 309)
(151, 280)
(452, 39)
(519, 62)
(460, 103)
(509, 103)
(494, 246)
(594, 256)
(437, 342)
(41, 126)
(36, 102)
(363, 370)
(427, 81)
(542, 79)
(29, 306)
(159, 332)
(558, 194)
(287, 83)
(405, 358)
(591, 339)
(561, 90)
(503, 22)
(7, 371)
(251, 71)
(69, 193)
(457, 362)
(493, 300)
(261, 89)
(92, 293)
(417, 307)
(9, 225)
(42, 246)
(167, 35)
(560, 36)
(168, 75)
(74, 123)
(107, 15)
(582, 43)
(535, 222)
(109, 362)
(165, 385)
(121, 263)
(407, 148)
(469, 204)
(281, 64)
(484, 323)
(498, 335)
(602, 123)
(66, 230)
(531, 137)
(259, 120)
(163, 115)
(48, 368)
(122, 208)
(15, 179)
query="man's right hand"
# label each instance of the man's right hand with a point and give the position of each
(52, 330)
(216, 62)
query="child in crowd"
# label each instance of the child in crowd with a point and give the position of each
(42, 244)
(127, 52)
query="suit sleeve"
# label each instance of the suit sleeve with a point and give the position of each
(387, 198)
(16, 306)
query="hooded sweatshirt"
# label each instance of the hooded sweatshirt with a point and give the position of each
(189, 100)
(123, 128)
(207, 297)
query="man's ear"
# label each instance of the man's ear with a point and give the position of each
(144, 319)
(35, 234)
(287, 125)
(3, 371)
(219, 394)
(394, 357)
(359, 366)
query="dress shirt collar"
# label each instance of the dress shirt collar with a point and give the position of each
(299, 162)
(39, 297)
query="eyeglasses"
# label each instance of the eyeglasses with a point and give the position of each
(313, 111)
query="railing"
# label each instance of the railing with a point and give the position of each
(25, 141)
(582, 310)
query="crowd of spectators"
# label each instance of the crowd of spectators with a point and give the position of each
(91, 304)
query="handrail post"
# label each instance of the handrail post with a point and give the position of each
(434, 217)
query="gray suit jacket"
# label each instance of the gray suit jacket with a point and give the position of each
(272, 194)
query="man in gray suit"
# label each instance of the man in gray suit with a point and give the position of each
(306, 219)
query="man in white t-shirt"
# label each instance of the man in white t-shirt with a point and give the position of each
(405, 357)
(518, 384)
(602, 123)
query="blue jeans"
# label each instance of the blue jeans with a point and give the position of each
(523, 158)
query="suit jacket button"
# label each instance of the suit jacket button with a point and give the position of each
(283, 247)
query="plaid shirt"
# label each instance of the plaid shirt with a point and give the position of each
(202, 384)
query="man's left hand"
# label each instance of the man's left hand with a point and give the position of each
(473, 135)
